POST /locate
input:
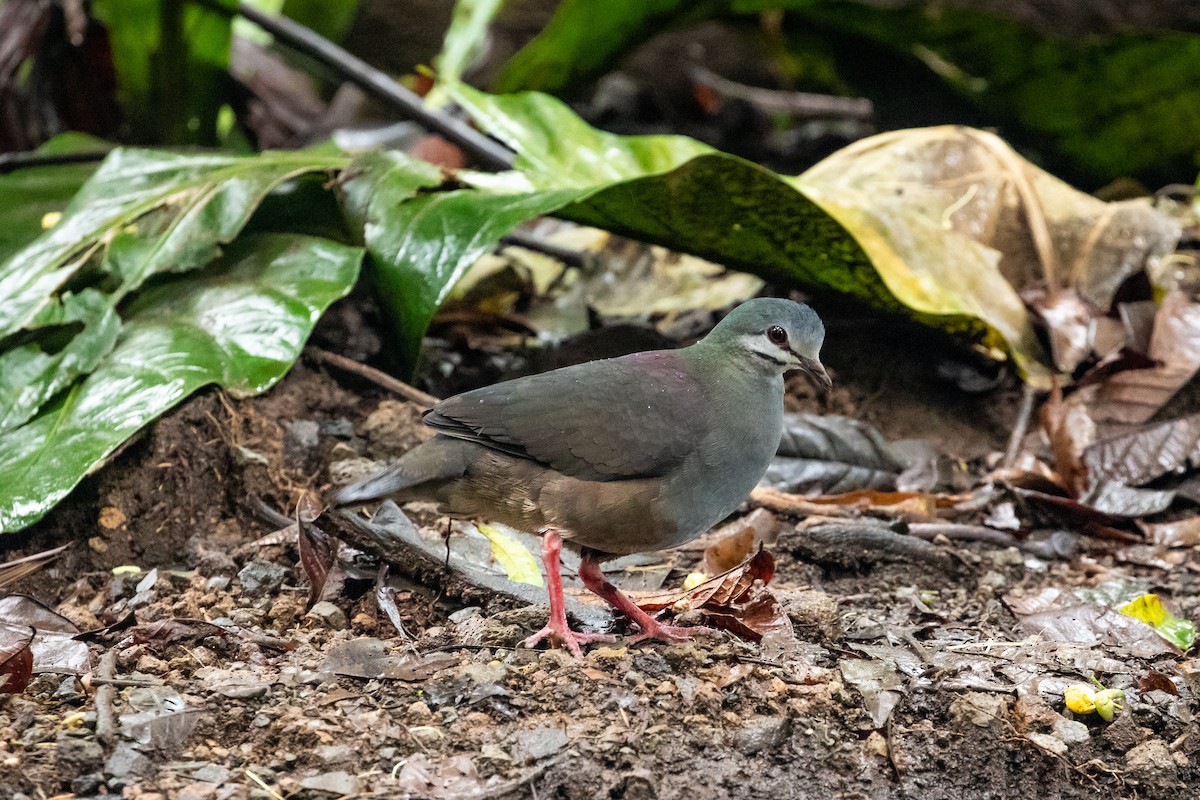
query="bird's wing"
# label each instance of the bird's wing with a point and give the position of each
(622, 418)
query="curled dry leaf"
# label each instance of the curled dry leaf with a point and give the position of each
(734, 543)
(54, 646)
(958, 224)
(16, 658)
(1155, 681)
(318, 556)
(1181, 533)
(737, 600)
(1134, 396)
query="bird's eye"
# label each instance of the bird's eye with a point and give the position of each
(777, 335)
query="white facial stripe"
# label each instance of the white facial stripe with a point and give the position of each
(760, 345)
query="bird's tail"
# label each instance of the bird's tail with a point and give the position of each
(439, 459)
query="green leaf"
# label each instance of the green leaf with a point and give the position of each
(1151, 610)
(241, 324)
(673, 191)
(463, 43)
(32, 375)
(421, 249)
(200, 201)
(579, 42)
(556, 149)
(142, 213)
(329, 18)
(28, 195)
(172, 61)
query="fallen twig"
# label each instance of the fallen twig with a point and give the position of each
(786, 503)
(18, 568)
(375, 376)
(1020, 427)
(106, 692)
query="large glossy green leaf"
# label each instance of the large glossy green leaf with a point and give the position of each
(240, 324)
(142, 213)
(556, 149)
(27, 195)
(202, 201)
(428, 243)
(684, 195)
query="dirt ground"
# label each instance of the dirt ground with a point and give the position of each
(263, 704)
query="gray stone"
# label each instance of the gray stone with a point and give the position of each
(536, 744)
(327, 613)
(465, 614)
(1051, 744)
(335, 753)
(1071, 731)
(339, 783)
(86, 785)
(301, 444)
(212, 773)
(262, 577)
(126, 765)
(1151, 757)
(76, 756)
(762, 733)
(981, 709)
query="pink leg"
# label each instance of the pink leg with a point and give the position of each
(593, 578)
(557, 629)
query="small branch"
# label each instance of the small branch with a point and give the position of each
(106, 693)
(526, 240)
(800, 104)
(1020, 428)
(379, 84)
(375, 376)
(785, 503)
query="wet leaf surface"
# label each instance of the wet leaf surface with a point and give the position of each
(240, 324)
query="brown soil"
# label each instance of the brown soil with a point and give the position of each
(479, 717)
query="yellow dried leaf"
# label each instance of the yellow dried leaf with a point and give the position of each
(513, 557)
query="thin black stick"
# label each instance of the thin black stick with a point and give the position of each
(487, 151)
(11, 162)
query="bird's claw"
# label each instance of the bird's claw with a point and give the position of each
(568, 638)
(670, 633)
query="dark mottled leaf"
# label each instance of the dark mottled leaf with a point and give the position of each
(831, 455)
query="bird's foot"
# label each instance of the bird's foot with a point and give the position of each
(653, 629)
(571, 640)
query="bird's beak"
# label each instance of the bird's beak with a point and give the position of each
(815, 370)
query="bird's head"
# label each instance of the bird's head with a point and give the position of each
(775, 336)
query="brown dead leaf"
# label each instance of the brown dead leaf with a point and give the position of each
(1139, 456)
(1181, 533)
(1156, 681)
(16, 658)
(1132, 397)
(737, 600)
(735, 542)
(318, 557)
(1070, 430)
